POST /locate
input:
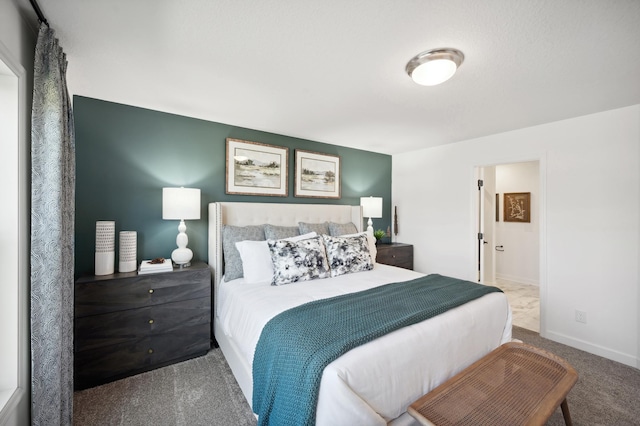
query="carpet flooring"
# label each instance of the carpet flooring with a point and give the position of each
(198, 392)
(606, 393)
(202, 391)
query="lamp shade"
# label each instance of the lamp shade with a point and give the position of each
(180, 203)
(371, 206)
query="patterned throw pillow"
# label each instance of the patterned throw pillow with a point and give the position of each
(230, 236)
(318, 228)
(337, 229)
(348, 254)
(273, 232)
(295, 261)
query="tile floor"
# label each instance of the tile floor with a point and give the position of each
(525, 303)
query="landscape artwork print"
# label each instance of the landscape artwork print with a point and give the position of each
(317, 175)
(255, 168)
(517, 207)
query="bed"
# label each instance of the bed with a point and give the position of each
(372, 384)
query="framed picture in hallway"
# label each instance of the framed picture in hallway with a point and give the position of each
(255, 168)
(517, 207)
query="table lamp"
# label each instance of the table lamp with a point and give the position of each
(181, 204)
(371, 208)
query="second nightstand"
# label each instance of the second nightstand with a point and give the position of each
(395, 254)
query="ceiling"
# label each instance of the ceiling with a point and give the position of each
(333, 70)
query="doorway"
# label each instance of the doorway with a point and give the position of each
(509, 250)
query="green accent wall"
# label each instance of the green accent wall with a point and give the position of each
(125, 155)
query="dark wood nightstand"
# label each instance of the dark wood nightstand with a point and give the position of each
(395, 254)
(127, 323)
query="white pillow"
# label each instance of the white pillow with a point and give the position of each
(256, 258)
(373, 250)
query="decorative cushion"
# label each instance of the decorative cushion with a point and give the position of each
(273, 232)
(318, 228)
(348, 254)
(256, 259)
(295, 261)
(230, 236)
(373, 250)
(337, 229)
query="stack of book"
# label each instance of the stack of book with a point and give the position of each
(146, 267)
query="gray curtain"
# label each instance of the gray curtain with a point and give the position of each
(52, 238)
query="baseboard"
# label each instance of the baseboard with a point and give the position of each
(515, 279)
(611, 354)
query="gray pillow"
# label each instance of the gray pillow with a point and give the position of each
(230, 236)
(337, 229)
(318, 228)
(273, 232)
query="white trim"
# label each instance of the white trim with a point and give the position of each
(21, 392)
(621, 357)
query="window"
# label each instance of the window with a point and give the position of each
(13, 235)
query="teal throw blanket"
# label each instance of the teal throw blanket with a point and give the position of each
(296, 345)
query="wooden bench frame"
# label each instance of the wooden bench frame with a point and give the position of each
(514, 384)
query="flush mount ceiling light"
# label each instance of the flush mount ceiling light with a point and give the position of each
(434, 66)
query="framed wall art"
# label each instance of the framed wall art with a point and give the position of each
(517, 207)
(317, 175)
(497, 207)
(255, 168)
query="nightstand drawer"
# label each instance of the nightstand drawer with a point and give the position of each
(118, 294)
(395, 254)
(97, 366)
(125, 326)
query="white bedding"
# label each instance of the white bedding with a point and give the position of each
(358, 388)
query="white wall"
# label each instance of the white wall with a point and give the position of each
(589, 227)
(519, 261)
(17, 44)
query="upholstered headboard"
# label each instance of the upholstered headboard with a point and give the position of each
(243, 214)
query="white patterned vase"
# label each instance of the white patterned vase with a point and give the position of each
(105, 247)
(127, 253)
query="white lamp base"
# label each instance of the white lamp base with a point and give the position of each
(182, 255)
(370, 226)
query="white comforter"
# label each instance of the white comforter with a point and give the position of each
(376, 382)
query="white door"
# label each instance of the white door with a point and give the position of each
(486, 224)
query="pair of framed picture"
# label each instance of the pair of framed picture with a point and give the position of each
(255, 168)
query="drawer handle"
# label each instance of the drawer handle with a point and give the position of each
(150, 290)
(150, 321)
(150, 351)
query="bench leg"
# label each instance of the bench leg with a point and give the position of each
(565, 413)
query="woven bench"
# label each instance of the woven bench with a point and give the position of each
(516, 384)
